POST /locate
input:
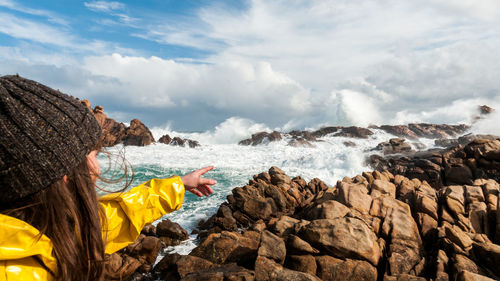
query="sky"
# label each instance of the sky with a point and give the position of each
(196, 65)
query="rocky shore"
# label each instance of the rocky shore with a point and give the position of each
(394, 224)
(307, 138)
(136, 134)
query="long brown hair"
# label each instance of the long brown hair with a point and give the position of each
(69, 214)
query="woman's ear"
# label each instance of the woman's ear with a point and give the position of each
(65, 179)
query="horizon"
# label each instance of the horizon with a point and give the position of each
(195, 65)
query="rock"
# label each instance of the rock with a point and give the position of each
(272, 246)
(180, 266)
(176, 141)
(332, 269)
(343, 237)
(145, 249)
(349, 144)
(297, 246)
(171, 233)
(304, 263)
(231, 272)
(469, 276)
(484, 110)
(325, 131)
(380, 187)
(285, 225)
(354, 196)
(261, 138)
(267, 269)
(354, 132)
(393, 146)
(488, 255)
(137, 134)
(329, 209)
(227, 247)
(112, 131)
(119, 267)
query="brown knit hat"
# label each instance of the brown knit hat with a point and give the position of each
(44, 134)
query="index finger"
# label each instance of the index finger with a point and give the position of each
(204, 170)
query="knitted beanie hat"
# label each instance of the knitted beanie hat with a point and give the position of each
(44, 134)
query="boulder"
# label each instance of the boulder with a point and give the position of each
(333, 269)
(176, 141)
(268, 270)
(272, 247)
(227, 247)
(343, 237)
(171, 233)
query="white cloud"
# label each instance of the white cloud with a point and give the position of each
(303, 63)
(104, 6)
(53, 18)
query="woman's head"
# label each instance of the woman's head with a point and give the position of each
(48, 172)
(45, 135)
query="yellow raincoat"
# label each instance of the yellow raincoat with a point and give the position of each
(22, 253)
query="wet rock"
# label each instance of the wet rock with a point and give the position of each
(171, 233)
(393, 146)
(261, 138)
(176, 141)
(354, 132)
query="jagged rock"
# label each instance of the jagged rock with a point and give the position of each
(297, 246)
(118, 267)
(354, 196)
(171, 233)
(393, 146)
(176, 141)
(414, 131)
(261, 138)
(484, 109)
(175, 266)
(137, 134)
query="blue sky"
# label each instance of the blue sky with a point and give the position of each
(284, 64)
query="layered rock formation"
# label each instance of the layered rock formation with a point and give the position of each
(166, 139)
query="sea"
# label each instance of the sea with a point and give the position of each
(234, 165)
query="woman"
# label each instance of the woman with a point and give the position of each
(52, 224)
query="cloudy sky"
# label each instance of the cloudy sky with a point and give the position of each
(286, 64)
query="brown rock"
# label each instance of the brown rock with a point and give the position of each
(171, 233)
(380, 187)
(469, 276)
(119, 267)
(305, 263)
(267, 269)
(229, 272)
(297, 246)
(354, 196)
(343, 237)
(227, 247)
(329, 209)
(175, 264)
(137, 134)
(458, 237)
(261, 138)
(332, 269)
(488, 255)
(272, 246)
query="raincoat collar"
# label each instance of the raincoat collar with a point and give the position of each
(19, 239)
